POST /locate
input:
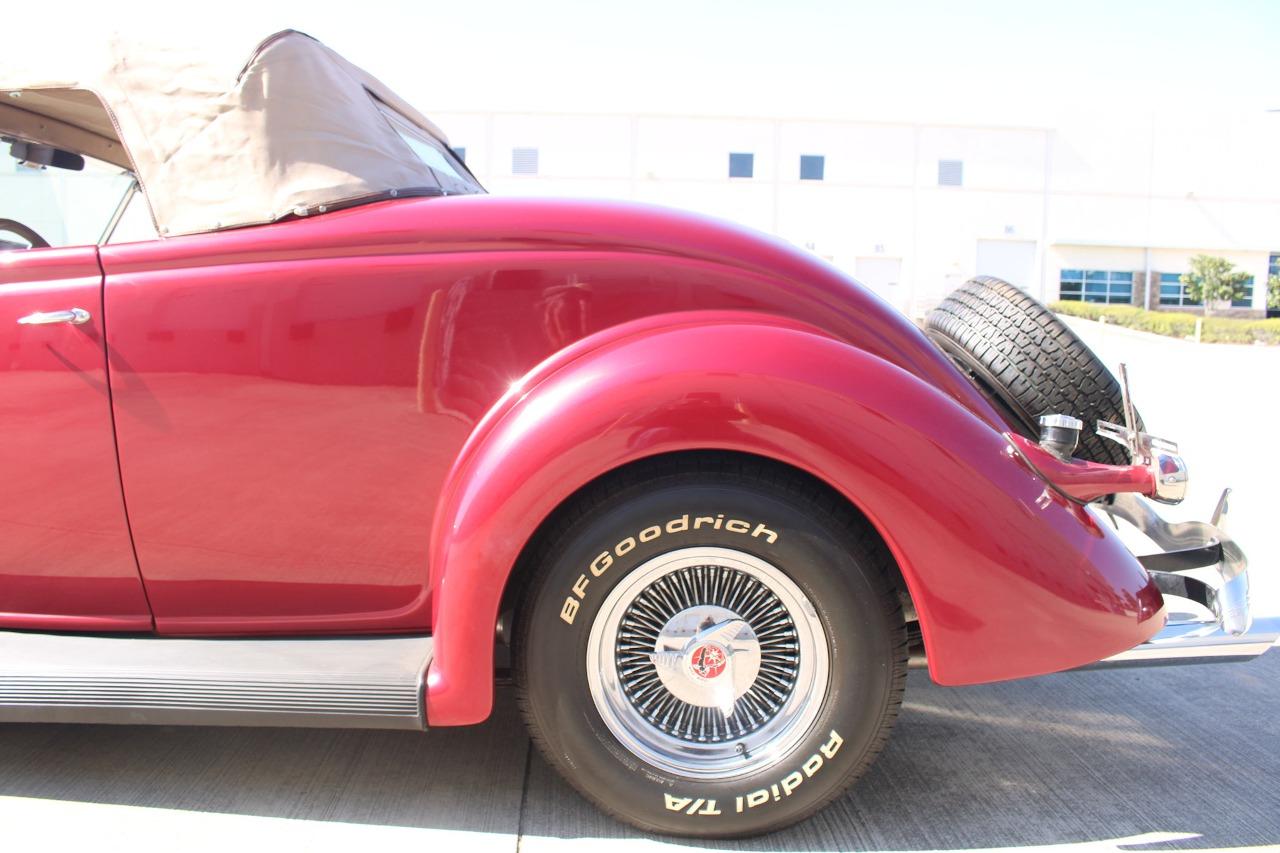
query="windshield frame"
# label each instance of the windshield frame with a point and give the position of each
(61, 202)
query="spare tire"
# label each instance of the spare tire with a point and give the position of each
(1028, 362)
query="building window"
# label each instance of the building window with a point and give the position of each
(1173, 291)
(460, 151)
(742, 165)
(1108, 287)
(950, 173)
(524, 161)
(1246, 297)
(1274, 268)
(811, 167)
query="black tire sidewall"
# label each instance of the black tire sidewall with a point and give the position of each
(823, 557)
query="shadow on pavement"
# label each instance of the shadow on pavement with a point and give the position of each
(463, 779)
(1192, 752)
(1071, 758)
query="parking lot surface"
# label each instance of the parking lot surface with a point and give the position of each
(1143, 759)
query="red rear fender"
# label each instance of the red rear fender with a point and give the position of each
(1007, 577)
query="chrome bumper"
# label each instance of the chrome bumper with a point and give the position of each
(1203, 575)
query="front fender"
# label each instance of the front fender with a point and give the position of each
(1008, 579)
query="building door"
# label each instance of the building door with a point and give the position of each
(1012, 260)
(883, 275)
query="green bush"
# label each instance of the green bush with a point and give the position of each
(1217, 330)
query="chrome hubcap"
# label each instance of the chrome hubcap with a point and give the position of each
(705, 656)
(708, 662)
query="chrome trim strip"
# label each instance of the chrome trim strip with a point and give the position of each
(1174, 645)
(360, 682)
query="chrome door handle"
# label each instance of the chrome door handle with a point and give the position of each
(74, 316)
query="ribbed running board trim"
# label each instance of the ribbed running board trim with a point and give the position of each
(361, 682)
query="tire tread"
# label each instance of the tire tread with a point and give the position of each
(1027, 356)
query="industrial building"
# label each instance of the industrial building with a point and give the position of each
(1101, 209)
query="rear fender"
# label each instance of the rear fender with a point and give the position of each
(1008, 578)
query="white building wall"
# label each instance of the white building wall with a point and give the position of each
(1125, 193)
(1128, 193)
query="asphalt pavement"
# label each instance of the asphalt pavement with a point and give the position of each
(1147, 759)
(1141, 759)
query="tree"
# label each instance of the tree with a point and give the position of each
(1273, 292)
(1212, 279)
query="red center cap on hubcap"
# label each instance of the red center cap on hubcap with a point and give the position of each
(708, 661)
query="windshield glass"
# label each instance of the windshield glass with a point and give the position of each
(66, 208)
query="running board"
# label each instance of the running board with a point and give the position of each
(349, 682)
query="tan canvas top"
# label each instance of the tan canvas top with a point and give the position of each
(218, 143)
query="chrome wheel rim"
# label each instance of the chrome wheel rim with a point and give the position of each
(708, 663)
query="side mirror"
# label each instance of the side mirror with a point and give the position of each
(35, 154)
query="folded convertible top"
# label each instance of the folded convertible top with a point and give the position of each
(215, 141)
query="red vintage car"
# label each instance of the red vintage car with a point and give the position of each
(317, 433)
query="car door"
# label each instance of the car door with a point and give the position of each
(66, 560)
(280, 445)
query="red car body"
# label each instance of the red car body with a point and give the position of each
(354, 423)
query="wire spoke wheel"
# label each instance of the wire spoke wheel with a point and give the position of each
(705, 678)
(708, 663)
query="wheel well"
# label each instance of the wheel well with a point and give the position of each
(652, 467)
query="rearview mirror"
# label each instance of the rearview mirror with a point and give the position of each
(35, 154)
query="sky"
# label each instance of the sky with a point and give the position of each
(980, 61)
